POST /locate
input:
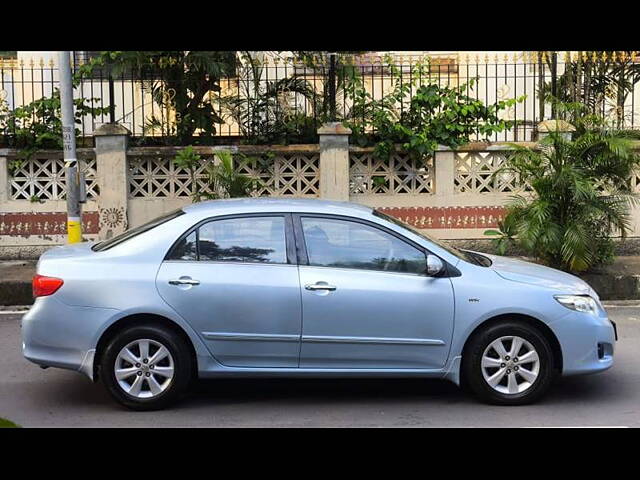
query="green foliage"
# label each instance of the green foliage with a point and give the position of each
(264, 110)
(225, 182)
(222, 179)
(595, 79)
(580, 194)
(290, 109)
(188, 159)
(4, 423)
(38, 125)
(433, 115)
(180, 82)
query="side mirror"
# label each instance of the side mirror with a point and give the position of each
(434, 265)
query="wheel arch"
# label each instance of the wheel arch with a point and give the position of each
(536, 323)
(140, 319)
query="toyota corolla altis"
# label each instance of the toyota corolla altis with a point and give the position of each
(272, 287)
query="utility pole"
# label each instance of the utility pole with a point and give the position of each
(74, 215)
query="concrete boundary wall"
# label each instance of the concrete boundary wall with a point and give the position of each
(454, 195)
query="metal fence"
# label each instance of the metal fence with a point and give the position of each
(276, 100)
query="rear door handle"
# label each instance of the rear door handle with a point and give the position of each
(184, 281)
(320, 286)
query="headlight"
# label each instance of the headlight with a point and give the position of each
(579, 303)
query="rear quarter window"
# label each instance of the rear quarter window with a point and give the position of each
(134, 232)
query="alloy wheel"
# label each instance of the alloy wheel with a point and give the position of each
(510, 365)
(144, 368)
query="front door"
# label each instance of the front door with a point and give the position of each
(235, 281)
(366, 301)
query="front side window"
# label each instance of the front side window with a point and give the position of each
(346, 244)
(247, 240)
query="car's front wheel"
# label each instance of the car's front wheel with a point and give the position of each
(146, 367)
(509, 363)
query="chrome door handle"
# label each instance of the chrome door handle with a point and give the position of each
(320, 286)
(184, 281)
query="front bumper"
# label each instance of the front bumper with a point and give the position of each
(587, 342)
(58, 335)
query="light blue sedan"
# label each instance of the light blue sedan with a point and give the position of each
(273, 287)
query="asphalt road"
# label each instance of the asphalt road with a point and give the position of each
(30, 396)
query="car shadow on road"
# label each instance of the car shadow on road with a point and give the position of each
(597, 388)
(74, 392)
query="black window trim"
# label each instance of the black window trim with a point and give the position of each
(288, 233)
(303, 256)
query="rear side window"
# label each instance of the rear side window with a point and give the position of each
(246, 240)
(134, 232)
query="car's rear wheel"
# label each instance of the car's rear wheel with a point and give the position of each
(509, 363)
(146, 367)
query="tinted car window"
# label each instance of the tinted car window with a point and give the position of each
(185, 249)
(129, 234)
(251, 239)
(345, 244)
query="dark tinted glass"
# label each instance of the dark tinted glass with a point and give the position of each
(345, 244)
(123, 237)
(251, 239)
(185, 249)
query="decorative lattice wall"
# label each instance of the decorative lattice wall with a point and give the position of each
(276, 174)
(635, 182)
(475, 172)
(291, 174)
(42, 177)
(397, 175)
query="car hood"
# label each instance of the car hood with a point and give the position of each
(539, 275)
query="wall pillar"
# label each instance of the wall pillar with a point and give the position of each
(445, 170)
(334, 161)
(111, 163)
(562, 127)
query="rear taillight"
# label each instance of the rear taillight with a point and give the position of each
(43, 286)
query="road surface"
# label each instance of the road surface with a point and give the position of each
(31, 396)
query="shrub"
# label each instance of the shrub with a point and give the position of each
(580, 194)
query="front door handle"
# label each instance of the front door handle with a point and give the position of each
(184, 281)
(320, 286)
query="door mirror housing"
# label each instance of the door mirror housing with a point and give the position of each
(434, 265)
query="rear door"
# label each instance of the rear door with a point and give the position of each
(235, 280)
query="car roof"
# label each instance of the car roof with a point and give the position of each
(268, 204)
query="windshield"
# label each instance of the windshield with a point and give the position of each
(461, 254)
(124, 236)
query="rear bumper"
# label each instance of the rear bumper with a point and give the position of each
(587, 342)
(58, 335)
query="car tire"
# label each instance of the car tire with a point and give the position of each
(152, 385)
(496, 377)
